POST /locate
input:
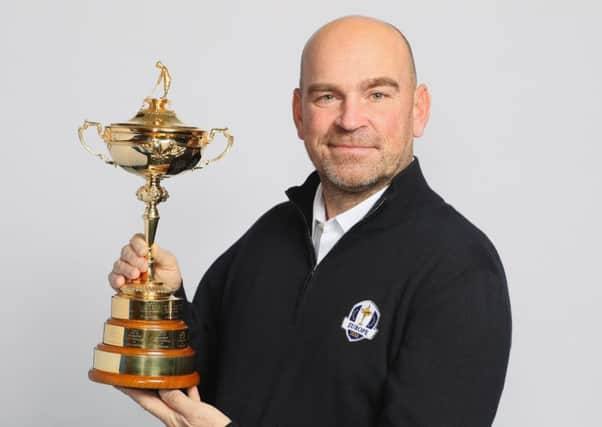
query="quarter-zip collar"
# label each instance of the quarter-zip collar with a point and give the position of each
(408, 188)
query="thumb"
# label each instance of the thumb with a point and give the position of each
(193, 393)
(163, 257)
(178, 401)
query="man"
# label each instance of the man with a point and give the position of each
(365, 300)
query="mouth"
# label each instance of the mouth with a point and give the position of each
(351, 148)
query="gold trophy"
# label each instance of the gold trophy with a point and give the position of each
(145, 342)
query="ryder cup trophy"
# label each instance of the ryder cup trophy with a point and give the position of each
(145, 342)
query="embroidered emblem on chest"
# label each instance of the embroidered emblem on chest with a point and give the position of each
(362, 321)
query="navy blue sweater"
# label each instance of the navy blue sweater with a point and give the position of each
(406, 321)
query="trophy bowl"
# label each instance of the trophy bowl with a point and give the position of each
(145, 342)
(155, 141)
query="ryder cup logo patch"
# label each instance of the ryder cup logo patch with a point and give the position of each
(362, 321)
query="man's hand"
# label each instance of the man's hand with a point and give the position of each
(177, 409)
(133, 261)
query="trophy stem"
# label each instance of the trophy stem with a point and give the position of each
(152, 194)
(151, 221)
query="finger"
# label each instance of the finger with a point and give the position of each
(150, 402)
(116, 280)
(123, 268)
(138, 243)
(179, 402)
(193, 393)
(132, 258)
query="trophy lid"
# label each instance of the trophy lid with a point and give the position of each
(155, 114)
(155, 142)
(154, 117)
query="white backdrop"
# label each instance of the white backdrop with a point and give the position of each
(513, 143)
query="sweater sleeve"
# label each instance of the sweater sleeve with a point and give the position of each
(451, 364)
(202, 317)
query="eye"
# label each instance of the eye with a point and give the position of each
(325, 98)
(377, 96)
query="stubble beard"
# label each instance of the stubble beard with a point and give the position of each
(341, 181)
(368, 178)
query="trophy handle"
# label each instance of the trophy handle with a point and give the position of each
(229, 142)
(80, 133)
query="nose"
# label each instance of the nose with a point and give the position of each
(351, 115)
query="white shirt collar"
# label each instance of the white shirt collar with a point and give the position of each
(346, 219)
(326, 233)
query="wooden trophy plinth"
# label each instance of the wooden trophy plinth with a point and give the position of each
(145, 345)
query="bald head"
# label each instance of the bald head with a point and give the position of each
(341, 33)
(358, 108)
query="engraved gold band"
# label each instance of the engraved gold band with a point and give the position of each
(123, 307)
(142, 364)
(144, 338)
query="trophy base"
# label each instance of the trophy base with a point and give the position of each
(145, 382)
(145, 345)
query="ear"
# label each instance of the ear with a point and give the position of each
(298, 112)
(422, 109)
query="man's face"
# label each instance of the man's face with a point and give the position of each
(355, 108)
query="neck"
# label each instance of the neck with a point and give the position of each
(337, 201)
